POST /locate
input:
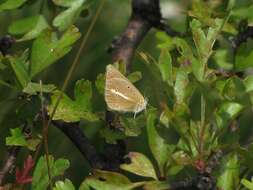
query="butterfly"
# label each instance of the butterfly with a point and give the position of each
(120, 94)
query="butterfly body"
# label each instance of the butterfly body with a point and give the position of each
(120, 94)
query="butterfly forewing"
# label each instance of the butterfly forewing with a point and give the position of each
(120, 93)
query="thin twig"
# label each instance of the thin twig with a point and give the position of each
(9, 163)
(45, 135)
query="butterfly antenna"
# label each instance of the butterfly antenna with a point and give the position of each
(135, 114)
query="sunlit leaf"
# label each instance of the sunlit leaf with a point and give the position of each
(69, 110)
(16, 139)
(164, 40)
(180, 87)
(140, 165)
(157, 185)
(159, 148)
(165, 66)
(248, 184)
(64, 185)
(229, 177)
(227, 112)
(248, 82)
(104, 180)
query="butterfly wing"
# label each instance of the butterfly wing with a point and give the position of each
(120, 93)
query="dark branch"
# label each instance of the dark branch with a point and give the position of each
(145, 15)
(113, 154)
(76, 135)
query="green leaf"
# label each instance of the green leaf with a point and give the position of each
(31, 27)
(203, 11)
(234, 90)
(64, 185)
(16, 139)
(248, 184)
(229, 177)
(183, 48)
(140, 165)
(111, 135)
(132, 126)
(159, 148)
(104, 180)
(11, 4)
(33, 143)
(34, 88)
(248, 83)
(243, 59)
(100, 83)
(83, 94)
(134, 76)
(246, 155)
(69, 110)
(180, 87)
(40, 174)
(156, 185)
(165, 117)
(69, 16)
(47, 49)
(84, 186)
(204, 44)
(164, 40)
(181, 158)
(221, 58)
(200, 40)
(198, 69)
(227, 112)
(73, 111)
(165, 66)
(20, 69)
(243, 13)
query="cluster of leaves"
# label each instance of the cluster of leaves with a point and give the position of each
(203, 101)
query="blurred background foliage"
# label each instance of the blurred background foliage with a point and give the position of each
(94, 59)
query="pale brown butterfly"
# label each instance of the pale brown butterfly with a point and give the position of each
(120, 94)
